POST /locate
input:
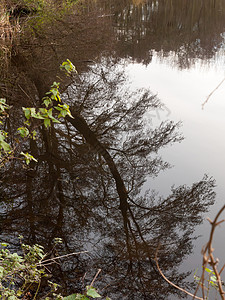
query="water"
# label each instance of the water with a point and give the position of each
(126, 53)
(193, 157)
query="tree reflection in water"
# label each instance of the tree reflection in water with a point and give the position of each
(87, 186)
(183, 31)
(87, 189)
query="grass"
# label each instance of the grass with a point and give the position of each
(14, 13)
(9, 29)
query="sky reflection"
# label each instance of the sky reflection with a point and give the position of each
(202, 151)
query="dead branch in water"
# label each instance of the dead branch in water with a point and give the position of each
(207, 99)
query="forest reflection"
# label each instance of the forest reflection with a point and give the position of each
(73, 193)
(188, 30)
(181, 31)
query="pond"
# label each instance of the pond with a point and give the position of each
(140, 166)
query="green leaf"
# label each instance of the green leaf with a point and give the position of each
(64, 110)
(3, 105)
(209, 270)
(49, 112)
(54, 92)
(92, 292)
(5, 146)
(68, 67)
(43, 111)
(4, 244)
(39, 116)
(47, 101)
(62, 113)
(28, 157)
(47, 122)
(34, 133)
(27, 112)
(1, 272)
(2, 136)
(19, 293)
(33, 112)
(213, 278)
(196, 278)
(23, 131)
(13, 297)
(55, 120)
(55, 84)
(26, 123)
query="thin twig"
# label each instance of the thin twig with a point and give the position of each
(213, 262)
(207, 99)
(208, 257)
(39, 283)
(62, 256)
(25, 93)
(222, 269)
(202, 279)
(99, 270)
(171, 283)
(50, 263)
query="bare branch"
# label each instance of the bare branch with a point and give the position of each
(171, 283)
(58, 257)
(208, 257)
(207, 99)
(99, 270)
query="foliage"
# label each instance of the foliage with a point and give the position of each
(4, 146)
(46, 116)
(68, 67)
(212, 280)
(90, 292)
(39, 7)
(28, 157)
(15, 20)
(46, 12)
(22, 274)
(19, 272)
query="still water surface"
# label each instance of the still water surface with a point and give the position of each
(202, 151)
(126, 52)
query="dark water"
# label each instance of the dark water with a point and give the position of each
(126, 52)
